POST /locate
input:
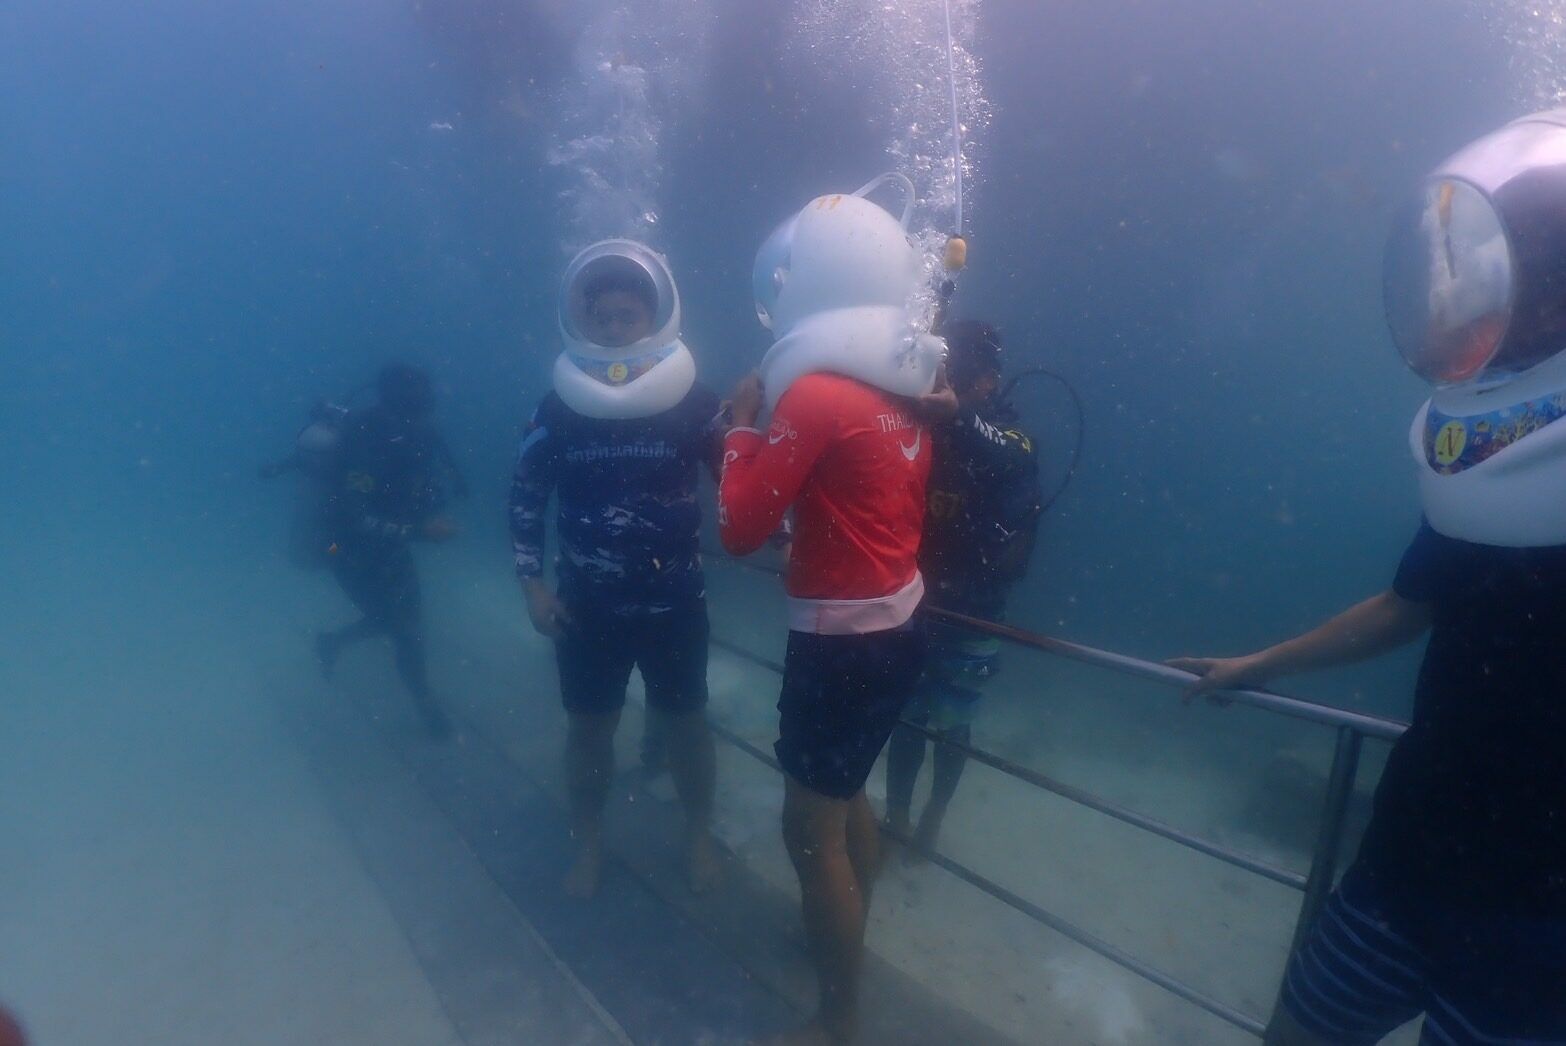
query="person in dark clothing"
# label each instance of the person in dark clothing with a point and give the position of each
(388, 493)
(620, 444)
(314, 457)
(1455, 905)
(982, 511)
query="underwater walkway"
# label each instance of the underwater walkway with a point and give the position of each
(467, 842)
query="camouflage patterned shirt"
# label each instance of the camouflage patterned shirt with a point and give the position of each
(629, 519)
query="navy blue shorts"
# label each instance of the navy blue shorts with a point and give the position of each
(596, 655)
(841, 697)
(1356, 977)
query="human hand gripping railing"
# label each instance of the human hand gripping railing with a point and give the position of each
(1351, 726)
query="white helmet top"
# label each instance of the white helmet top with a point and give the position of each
(836, 284)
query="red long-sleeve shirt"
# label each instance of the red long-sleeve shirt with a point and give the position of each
(853, 462)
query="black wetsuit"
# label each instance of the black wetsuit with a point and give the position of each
(983, 508)
(983, 504)
(387, 486)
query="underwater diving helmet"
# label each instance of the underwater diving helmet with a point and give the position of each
(836, 285)
(652, 370)
(1475, 288)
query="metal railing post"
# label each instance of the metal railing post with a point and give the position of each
(1329, 839)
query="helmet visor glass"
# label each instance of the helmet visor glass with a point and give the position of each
(1448, 282)
(616, 296)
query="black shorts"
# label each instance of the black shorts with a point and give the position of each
(841, 697)
(1357, 975)
(596, 655)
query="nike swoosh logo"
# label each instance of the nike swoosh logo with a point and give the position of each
(911, 452)
(775, 438)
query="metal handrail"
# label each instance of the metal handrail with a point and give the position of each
(1365, 723)
(1237, 858)
(1090, 941)
(1351, 727)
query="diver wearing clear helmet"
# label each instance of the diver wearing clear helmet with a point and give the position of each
(619, 443)
(1455, 906)
(848, 449)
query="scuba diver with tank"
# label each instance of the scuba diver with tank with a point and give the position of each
(620, 443)
(387, 490)
(981, 518)
(314, 456)
(1455, 906)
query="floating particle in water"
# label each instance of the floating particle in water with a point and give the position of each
(894, 50)
(633, 66)
(1536, 34)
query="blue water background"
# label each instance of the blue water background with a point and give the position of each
(211, 214)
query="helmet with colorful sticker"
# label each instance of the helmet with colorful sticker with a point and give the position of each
(620, 321)
(1475, 288)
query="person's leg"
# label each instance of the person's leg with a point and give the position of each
(671, 650)
(589, 771)
(329, 644)
(949, 764)
(655, 747)
(594, 669)
(904, 757)
(404, 610)
(355, 575)
(692, 764)
(841, 698)
(815, 830)
(959, 664)
(864, 844)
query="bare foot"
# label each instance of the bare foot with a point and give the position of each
(702, 868)
(582, 880)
